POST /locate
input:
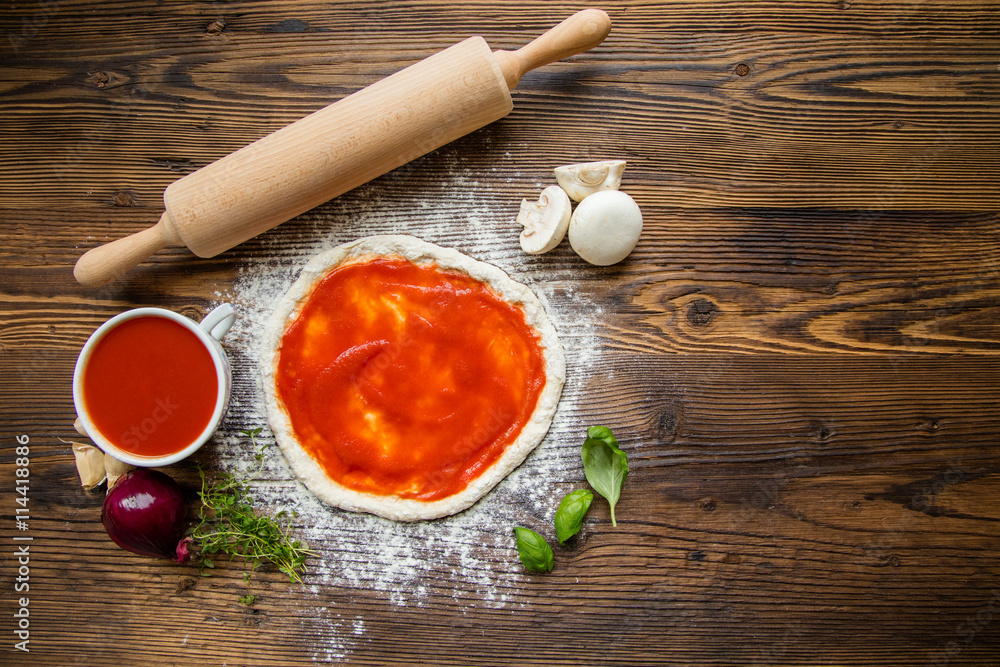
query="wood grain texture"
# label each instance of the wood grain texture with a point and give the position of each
(859, 105)
(802, 356)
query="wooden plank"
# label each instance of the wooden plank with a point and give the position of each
(801, 356)
(835, 112)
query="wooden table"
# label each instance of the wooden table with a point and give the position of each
(801, 358)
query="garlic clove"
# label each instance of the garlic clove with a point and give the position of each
(545, 221)
(605, 227)
(586, 178)
(89, 464)
(115, 468)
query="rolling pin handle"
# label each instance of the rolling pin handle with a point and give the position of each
(580, 32)
(103, 264)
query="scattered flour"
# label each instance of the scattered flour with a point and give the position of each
(463, 561)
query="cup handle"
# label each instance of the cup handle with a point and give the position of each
(218, 322)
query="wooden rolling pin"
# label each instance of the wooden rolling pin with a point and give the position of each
(339, 147)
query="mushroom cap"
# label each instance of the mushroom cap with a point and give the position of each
(585, 178)
(605, 227)
(546, 221)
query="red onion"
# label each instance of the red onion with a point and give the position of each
(144, 512)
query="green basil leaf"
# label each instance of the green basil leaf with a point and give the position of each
(605, 465)
(569, 516)
(534, 551)
(603, 433)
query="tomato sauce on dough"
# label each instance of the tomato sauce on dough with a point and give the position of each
(150, 386)
(407, 380)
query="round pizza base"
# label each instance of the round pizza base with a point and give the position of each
(421, 253)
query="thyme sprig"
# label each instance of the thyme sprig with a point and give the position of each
(230, 525)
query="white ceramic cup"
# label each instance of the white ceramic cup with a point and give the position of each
(209, 331)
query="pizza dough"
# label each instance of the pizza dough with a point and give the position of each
(348, 472)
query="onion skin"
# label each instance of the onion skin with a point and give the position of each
(144, 512)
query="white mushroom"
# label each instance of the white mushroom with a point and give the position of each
(605, 227)
(545, 222)
(586, 178)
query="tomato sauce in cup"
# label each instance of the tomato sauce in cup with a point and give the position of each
(151, 386)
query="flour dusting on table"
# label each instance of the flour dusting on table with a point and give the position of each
(466, 560)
